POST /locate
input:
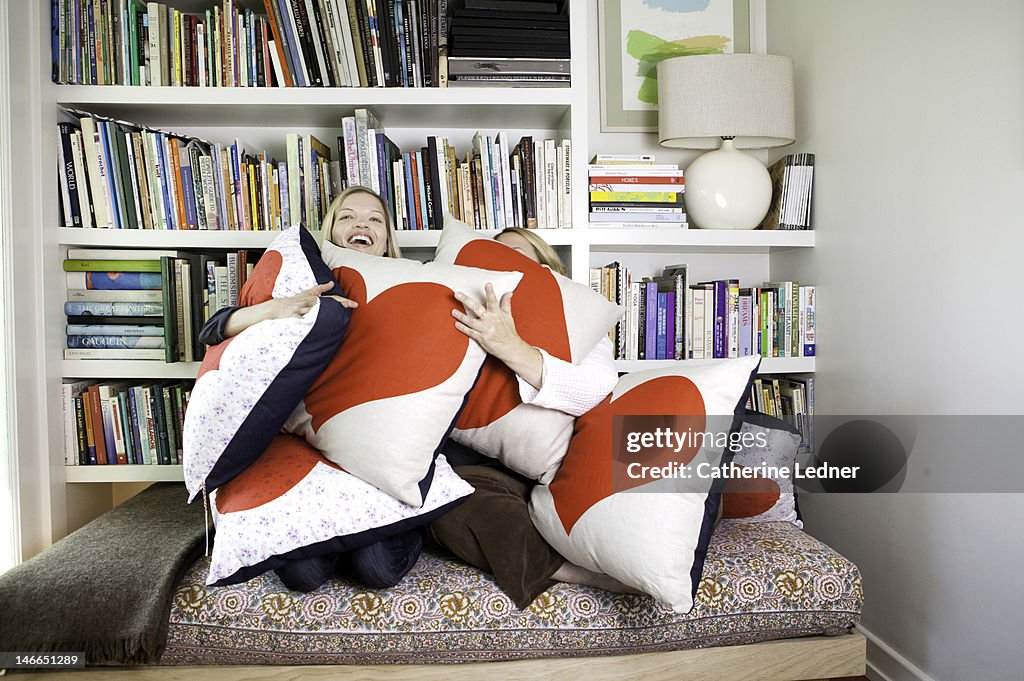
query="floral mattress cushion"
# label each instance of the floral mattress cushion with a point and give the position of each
(761, 581)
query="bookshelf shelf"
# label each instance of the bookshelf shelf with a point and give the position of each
(236, 239)
(769, 365)
(514, 108)
(123, 473)
(114, 369)
(696, 240)
(145, 238)
(260, 117)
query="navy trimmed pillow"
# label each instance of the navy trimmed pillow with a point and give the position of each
(248, 385)
(770, 444)
(649, 531)
(294, 503)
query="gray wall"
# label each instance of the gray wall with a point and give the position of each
(915, 110)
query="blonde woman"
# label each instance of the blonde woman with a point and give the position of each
(358, 219)
(492, 529)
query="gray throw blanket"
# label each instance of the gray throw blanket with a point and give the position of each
(106, 589)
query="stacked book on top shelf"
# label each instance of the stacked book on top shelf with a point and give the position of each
(120, 175)
(518, 43)
(792, 189)
(671, 317)
(146, 304)
(112, 423)
(631, 190)
(493, 186)
(326, 43)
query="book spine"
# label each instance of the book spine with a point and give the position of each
(81, 180)
(746, 323)
(112, 309)
(733, 307)
(160, 423)
(807, 327)
(86, 454)
(104, 454)
(90, 428)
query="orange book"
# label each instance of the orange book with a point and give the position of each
(272, 19)
(90, 436)
(99, 434)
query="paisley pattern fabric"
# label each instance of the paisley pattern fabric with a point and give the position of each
(761, 581)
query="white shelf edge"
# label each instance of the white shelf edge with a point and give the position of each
(114, 369)
(146, 238)
(613, 237)
(123, 473)
(769, 365)
(175, 238)
(76, 95)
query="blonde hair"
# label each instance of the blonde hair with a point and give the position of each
(545, 253)
(392, 249)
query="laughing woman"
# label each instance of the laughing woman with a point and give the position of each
(358, 219)
(492, 529)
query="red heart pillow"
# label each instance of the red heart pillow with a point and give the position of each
(248, 385)
(385, 403)
(551, 312)
(621, 503)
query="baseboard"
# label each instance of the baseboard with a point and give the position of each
(886, 664)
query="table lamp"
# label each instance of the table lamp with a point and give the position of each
(726, 102)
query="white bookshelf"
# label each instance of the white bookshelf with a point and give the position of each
(123, 473)
(769, 365)
(261, 117)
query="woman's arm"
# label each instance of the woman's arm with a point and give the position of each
(228, 322)
(574, 388)
(544, 381)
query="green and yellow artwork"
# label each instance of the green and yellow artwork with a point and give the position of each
(637, 34)
(649, 49)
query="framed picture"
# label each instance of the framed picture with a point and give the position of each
(634, 35)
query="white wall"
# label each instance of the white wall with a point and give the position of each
(915, 110)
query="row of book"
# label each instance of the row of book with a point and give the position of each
(494, 186)
(668, 317)
(329, 43)
(792, 188)
(120, 175)
(146, 304)
(129, 42)
(788, 397)
(634, 190)
(359, 43)
(120, 423)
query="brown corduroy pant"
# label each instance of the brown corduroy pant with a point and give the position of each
(492, 530)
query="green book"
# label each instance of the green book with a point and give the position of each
(111, 265)
(170, 316)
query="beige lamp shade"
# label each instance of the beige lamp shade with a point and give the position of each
(703, 98)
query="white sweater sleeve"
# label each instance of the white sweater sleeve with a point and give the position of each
(573, 388)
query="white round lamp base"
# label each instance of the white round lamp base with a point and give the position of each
(727, 189)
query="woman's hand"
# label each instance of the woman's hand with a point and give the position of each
(279, 308)
(491, 325)
(298, 305)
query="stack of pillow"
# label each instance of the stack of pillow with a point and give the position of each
(371, 414)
